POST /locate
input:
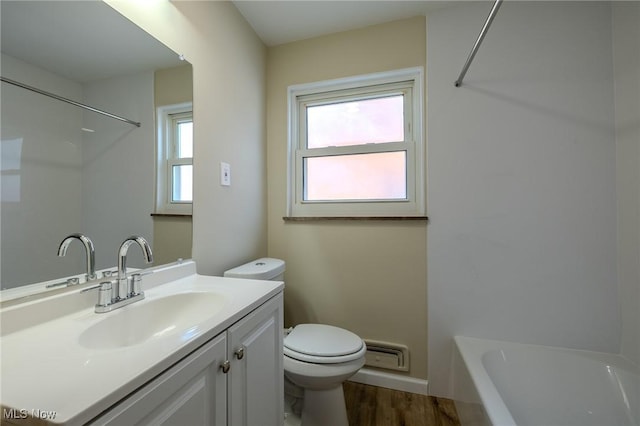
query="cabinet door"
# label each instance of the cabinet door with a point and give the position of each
(193, 392)
(256, 381)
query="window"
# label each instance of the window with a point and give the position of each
(174, 184)
(355, 146)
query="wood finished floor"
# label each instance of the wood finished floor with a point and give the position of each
(375, 406)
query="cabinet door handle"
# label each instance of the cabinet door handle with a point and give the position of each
(225, 366)
(240, 352)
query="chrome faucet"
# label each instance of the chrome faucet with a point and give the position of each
(124, 289)
(90, 252)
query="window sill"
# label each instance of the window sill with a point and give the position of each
(185, 215)
(355, 218)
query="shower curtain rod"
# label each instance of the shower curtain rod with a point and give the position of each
(69, 101)
(476, 45)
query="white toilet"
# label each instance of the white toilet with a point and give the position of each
(318, 358)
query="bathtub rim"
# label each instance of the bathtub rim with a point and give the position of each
(472, 349)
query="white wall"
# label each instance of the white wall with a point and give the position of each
(229, 223)
(521, 179)
(626, 65)
(118, 174)
(41, 175)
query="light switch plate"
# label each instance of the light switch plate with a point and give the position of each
(225, 174)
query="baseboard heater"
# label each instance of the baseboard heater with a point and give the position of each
(389, 356)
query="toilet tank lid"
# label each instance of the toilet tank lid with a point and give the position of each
(265, 268)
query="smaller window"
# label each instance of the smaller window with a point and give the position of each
(174, 183)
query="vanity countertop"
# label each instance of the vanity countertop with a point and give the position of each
(53, 373)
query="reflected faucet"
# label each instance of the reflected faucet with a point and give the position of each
(123, 290)
(90, 252)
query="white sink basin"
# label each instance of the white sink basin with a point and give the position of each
(120, 350)
(152, 319)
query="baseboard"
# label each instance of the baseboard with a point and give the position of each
(399, 382)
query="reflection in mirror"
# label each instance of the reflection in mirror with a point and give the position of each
(66, 170)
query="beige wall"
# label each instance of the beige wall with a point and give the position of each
(172, 235)
(369, 277)
(229, 223)
(173, 85)
(172, 238)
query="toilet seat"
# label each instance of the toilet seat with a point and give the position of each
(323, 344)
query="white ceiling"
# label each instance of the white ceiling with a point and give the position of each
(79, 40)
(88, 40)
(278, 22)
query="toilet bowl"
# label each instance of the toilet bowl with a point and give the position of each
(318, 358)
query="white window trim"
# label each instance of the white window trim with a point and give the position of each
(414, 205)
(163, 163)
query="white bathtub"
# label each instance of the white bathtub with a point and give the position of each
(503, 383)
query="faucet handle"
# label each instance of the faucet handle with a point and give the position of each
(104, 294)
(136, 284)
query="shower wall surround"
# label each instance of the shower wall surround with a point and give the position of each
(41, 151)
(522, 179)
(64, 170)
(626, 68)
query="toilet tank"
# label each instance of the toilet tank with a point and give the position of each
(265, 268)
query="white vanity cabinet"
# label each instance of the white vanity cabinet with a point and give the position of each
(235, 379)
(256, 375)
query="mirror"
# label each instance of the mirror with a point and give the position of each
(68, 170)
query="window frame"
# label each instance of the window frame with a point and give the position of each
(407, 81)
(168, 116)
